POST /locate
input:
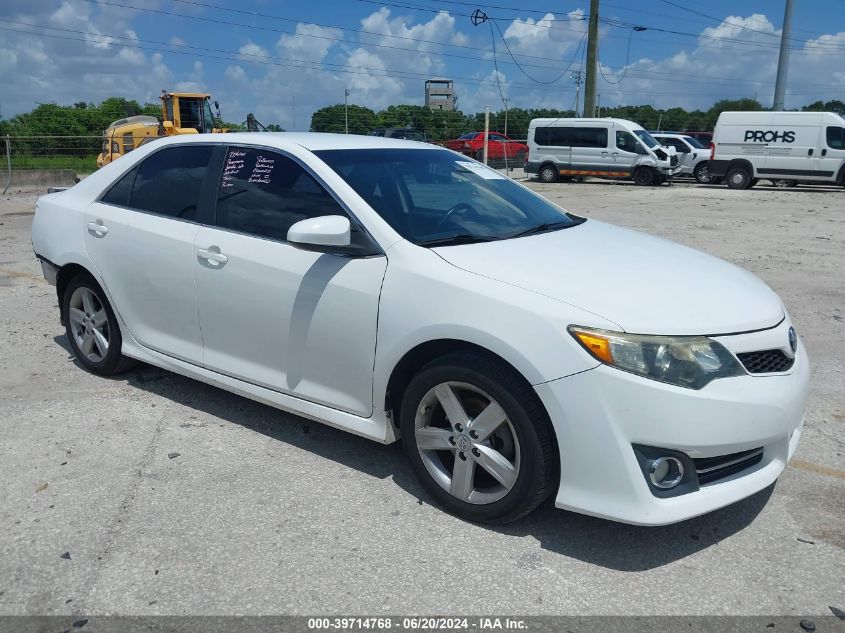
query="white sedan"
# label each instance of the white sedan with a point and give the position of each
(398, 290)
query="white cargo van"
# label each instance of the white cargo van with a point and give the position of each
(560, 149)
(805, 146)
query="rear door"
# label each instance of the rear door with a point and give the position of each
(140, 235)
(590, 152)
(273, 314)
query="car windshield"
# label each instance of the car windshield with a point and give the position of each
(694, 142)
(646, 138)
(437, 197)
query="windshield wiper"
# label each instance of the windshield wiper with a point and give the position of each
(541, 228)
(460, 238)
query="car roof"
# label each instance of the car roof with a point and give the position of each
(670, 134)
(313, 141)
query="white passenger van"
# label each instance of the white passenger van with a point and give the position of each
(805, 146)
(560, 149)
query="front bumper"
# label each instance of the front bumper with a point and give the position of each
(599, 414)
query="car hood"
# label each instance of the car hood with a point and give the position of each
(645, 284)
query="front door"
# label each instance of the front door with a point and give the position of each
(832, 155)
(627, 152)
(275, 315)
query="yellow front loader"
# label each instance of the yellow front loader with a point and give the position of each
(182, 113)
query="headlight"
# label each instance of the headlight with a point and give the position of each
(685, 361)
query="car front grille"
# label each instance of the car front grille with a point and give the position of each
(710, 469)
(765, 362)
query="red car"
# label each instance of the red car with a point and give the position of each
(499, 146)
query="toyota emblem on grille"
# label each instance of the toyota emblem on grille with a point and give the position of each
(793, 340)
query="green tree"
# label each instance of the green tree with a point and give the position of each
(332, 119)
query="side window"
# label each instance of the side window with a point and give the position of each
(836, 137)
(128, 142)
(264, 193)
(169, 181)
(626, 142)
(589, 137)
(120, 191)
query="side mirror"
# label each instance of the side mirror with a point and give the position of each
(321, 233)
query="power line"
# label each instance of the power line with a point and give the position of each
(295, 63)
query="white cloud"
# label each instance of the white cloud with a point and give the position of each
(252, 50)
(547, 36)
(311, 42)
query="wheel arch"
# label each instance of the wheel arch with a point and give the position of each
(741, 163)
(417, 357)
(63, 277)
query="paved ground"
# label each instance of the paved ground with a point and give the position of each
(155, 494)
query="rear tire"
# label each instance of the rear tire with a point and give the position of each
(92, 328)
(644, 176)
(701, 173)
(492, 458)
(548, 174)
(738, 178)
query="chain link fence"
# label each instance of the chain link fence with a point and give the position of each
(29, 160)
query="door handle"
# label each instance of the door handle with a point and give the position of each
(604, 153)
(97, 228)
(810, 152)
(824, 152)
(614, 154)
(212, 256)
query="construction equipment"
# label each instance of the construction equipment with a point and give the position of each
(182, 113)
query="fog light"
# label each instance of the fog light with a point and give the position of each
(666, 472)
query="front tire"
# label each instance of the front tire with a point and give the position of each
(92, 328)
(644, 176)
(739, 178)
(478, 438)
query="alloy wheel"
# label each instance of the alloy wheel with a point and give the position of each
(89, 324)
(467, 443)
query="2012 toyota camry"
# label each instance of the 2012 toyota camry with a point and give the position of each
(398, 290)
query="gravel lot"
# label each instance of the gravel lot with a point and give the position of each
(155, 494)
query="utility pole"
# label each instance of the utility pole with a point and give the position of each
(783, 58)
(293, 113)
(486, 130)
(578, 78)
(592, 61)
(346, 110)
(506, 115)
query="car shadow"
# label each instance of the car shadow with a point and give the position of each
(597, 541)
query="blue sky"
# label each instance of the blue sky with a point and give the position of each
(281, 60)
